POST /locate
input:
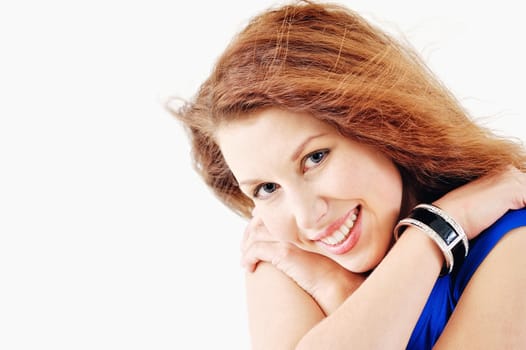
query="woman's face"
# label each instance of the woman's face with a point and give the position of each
(313, 187)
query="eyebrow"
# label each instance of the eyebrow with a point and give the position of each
(249, 182)
(293, 158)
(304, 144)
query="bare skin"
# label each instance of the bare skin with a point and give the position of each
(302, 295)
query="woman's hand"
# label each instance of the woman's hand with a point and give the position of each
(478, 204)
(327, 282)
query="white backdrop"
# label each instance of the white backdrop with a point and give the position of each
(108, 240)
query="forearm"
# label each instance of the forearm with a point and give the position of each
(280, 309)
(382, 313)
(280, 313)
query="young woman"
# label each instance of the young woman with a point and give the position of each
(381, 216)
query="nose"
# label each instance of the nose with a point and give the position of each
(308, 209)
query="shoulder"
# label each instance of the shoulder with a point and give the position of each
(491, 312)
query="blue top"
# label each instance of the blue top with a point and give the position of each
(448, 288)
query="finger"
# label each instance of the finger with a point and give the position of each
(255, 231)
(272, 252)
(293, 261)
(247, 232)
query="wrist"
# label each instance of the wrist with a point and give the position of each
(457, 210)
(423, 247)
(441, 228)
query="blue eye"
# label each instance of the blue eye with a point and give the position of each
(314, 158)
(264, 190)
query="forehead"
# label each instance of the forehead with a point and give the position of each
(270, 122)
(268, 135)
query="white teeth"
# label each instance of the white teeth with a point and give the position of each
(341, 233)
(332, 240)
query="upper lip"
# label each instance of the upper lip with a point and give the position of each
(332, 227)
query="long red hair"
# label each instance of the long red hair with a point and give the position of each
(326, 60)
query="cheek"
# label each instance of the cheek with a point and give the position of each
(279, 226)
(340, 180)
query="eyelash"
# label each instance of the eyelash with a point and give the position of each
(259, 187)
(323, 152)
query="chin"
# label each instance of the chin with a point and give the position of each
(363, 265)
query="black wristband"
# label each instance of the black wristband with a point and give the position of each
(440, 227)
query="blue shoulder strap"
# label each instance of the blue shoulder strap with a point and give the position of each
(483, 244)
(449, 288)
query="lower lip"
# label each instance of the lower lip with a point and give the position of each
(349, 242)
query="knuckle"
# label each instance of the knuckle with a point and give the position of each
(285, 251)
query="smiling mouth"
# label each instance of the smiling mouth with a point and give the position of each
(341, 233)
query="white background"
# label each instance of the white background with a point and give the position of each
(108, 240)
